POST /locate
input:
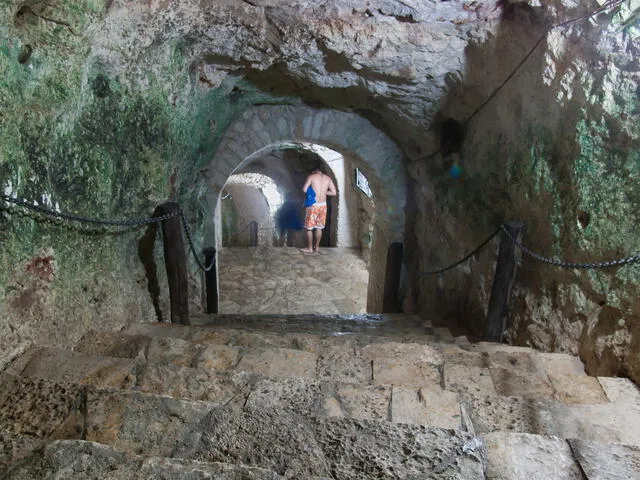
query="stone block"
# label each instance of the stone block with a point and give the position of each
(112, 344)
(453, 354)
(620, 390)
(498, 413)
(74, 459)
(217, 357)
(311, 398)
(160, 330)
(294, 395)
(193, 384)
(606, 461)
(278, 362)
(176, 468)
(136, 422)
(491, 348)
(526, 456)
(82, 459)
(405, 364)
(561, 363)
(258, 437)
(64, 366)
(607, 422)
(211, 336)
(519, 373)
(38, 409)
(342, 365)
(173, 350)
(364, 402)
(432, 407)
(361, 449)
(13, 447)
(468, 379)
(577, 389)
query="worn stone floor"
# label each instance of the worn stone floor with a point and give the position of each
(285, 280)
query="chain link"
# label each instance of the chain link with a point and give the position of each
(453, 265)
(564, 264)
(56, 218)
(139, 222)
(538, 257)
(191, 247)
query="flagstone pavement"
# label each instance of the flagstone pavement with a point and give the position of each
(285, 280)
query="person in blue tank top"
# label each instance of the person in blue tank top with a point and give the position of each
(316, 188)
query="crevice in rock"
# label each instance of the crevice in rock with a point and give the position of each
(25, 54)
(145, 253)
(26, 11)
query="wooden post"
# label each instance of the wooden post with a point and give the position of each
(211, 279)
(176, 263)
(253, 234)
(502, 282)
(391, 300)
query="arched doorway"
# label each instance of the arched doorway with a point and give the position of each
(265, 129)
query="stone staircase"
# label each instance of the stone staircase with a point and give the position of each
(309, 397)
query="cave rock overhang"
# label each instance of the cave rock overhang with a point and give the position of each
(263, 128)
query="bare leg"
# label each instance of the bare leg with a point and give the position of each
(309, 248)
(318, 236)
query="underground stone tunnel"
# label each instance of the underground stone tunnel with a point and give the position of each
(462, 115)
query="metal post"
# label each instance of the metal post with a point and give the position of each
(503, 279)
(253, 234)
(175, 262)
(211, 280)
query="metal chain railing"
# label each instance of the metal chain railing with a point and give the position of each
(58, 222)
(138, 222)
(565, 264)
(536, 256)
(187, 233)
(56, 218)
(462, 260)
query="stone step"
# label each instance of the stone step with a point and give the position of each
(523, 455)
(473, 369)
(296, 394)
(613, 422)
(33, 410)
(380, 364)
(386, 324)
(14, 447)
(79, 459)
(394, 389)
(254, 338)
(251, 434)
(193, 431)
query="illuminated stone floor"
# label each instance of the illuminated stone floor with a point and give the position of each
(285, 280)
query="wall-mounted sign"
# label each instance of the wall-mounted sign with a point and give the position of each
(363, 184)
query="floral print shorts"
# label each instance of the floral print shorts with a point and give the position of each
(315, 216)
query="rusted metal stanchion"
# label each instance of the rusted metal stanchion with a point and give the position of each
(211, 280)
(175, 262)
(502, 282)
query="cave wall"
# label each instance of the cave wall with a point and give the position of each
(79, 136)
(558, 148)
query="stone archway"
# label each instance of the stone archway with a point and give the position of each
(262, 127)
